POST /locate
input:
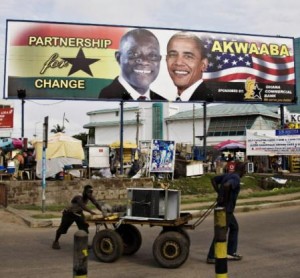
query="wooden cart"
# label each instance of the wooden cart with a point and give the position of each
(120, 236)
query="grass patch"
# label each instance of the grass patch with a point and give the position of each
(197, 190)
(53, 208)
(248, 182)
(44, 216)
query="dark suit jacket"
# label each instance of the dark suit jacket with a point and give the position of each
(202, 93)
(115, 90)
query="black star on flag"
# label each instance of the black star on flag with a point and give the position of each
(257, 92)
(80, 63)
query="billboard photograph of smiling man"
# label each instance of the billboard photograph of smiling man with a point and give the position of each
(139, 59)
(186, 62)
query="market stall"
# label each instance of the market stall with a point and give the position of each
(62, 151)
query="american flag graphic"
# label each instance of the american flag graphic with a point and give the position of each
(237, 67)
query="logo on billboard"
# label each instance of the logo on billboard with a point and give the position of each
(253, 92)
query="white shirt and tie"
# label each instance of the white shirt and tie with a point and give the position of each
(187, 93)
(133, 93)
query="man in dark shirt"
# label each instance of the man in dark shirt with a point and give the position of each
(74, 213)
(228, 187)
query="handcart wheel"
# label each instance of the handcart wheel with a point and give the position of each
(170, 249)
(178, 229)
(131, 236)
(107, 245)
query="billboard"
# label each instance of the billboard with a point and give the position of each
(162, 156)
(6, 117)
(67, 61)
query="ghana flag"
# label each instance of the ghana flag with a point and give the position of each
(60, 61)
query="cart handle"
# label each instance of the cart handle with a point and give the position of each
(204, 215)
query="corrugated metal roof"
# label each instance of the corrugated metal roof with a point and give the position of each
(103, 111)
(263, 123)
(111, 123)
(228, 110)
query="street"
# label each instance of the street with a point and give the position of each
(269, 242)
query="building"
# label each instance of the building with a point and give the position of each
(226, 121)
(142, 122)
(165, 121)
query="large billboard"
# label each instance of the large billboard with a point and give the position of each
(99, 62)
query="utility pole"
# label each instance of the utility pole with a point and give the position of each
(137, 127)
(64, 119)
(45, 144)
(121, 136)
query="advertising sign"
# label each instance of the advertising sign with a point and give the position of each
(294, 118)
(272, 142)
(100, 62)
(6, 117)
(162, 156)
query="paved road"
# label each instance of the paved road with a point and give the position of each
(269, 241)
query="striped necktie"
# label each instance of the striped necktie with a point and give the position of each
(178, 99)
(142, 98)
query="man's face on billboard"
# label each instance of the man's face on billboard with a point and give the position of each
(184, 62)
(139, 59)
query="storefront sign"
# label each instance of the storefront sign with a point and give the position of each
(6, 117)
(267, 142)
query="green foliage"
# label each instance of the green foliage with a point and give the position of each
(82, 137)
(57, 128)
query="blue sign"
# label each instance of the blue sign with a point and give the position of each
(287, 132)
(162, 156)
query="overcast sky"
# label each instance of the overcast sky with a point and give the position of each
(260, 17)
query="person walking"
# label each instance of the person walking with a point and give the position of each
(228, 187)
(74, 213)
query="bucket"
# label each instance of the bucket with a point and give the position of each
(10, 163)
(10, 169)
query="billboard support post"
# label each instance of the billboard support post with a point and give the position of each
(22, 96)
(45, 143)
(283, 158)
(121, 135)
(204, 131)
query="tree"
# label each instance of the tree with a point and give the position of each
(82, 137)
(57, 128)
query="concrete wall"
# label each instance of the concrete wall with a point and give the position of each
(61, 192)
